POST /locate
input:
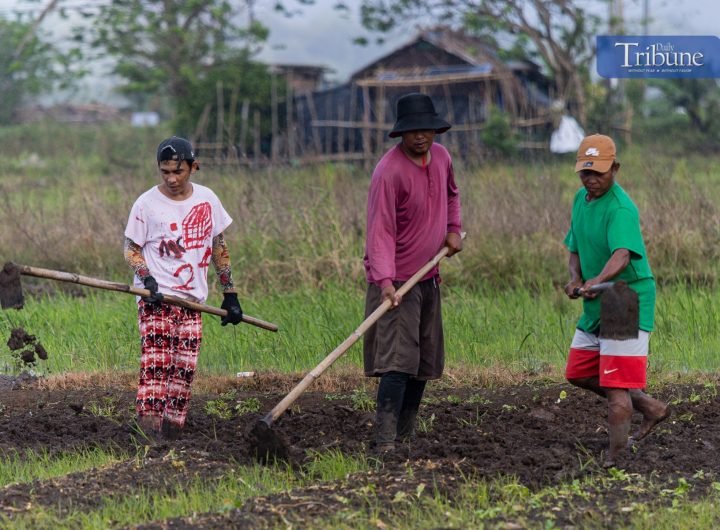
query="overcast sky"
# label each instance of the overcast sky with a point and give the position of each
(322, 36)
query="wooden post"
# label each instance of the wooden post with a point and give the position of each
(256, 138)
(328, 130)
(274, 140)
(452, 140)
(220, 122)
(380, 117)
(489, 98)
(627, 126)
(474, 136)
(301, 127)
(367, 153)
(352, 132)
(232, 147)
(313, 118)
(341, 129)
(244, 114)
(289, 116)
(199, 134)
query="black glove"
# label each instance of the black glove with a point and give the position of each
(151, 285)
(234, 311)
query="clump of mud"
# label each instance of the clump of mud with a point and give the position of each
(25, 347)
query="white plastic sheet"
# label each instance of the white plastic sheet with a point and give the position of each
(567, 137)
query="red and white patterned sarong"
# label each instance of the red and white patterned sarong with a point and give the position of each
(170, 342)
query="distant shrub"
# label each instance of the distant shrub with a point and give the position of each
(498, 135)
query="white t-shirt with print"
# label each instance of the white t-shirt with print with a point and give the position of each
(176, 239)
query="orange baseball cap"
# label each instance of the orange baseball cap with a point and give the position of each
(596, 153)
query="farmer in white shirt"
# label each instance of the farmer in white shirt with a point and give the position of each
(175, 230)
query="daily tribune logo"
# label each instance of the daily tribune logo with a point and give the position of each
(628, 56)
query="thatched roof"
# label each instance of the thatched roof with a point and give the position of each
(441, 49)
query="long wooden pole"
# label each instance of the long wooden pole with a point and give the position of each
(121, 287)
(383, 308)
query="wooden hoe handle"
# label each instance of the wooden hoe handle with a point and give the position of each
(114, 286)
(289, 399)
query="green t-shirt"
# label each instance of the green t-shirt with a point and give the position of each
(597, 229)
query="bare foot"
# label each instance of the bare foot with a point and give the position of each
(648, 424)
(149, 425)
(619, 459)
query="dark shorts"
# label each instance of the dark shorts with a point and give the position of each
(408, 339)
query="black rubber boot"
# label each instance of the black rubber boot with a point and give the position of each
(390, 396)
(408, 413)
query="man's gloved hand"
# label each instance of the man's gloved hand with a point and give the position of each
(151, 285)
(234, 311)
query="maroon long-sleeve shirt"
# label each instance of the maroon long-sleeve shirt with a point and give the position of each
(410, 211)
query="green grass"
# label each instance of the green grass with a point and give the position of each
(521, 330)
(506, 503)
(195, 497)
(590, 502)
(704, 513)
(29, 466)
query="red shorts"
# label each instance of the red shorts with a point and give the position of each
(618, 363)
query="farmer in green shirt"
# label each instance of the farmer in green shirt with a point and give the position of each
(605, 243)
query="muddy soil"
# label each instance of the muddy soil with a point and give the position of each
(526, 431)
(24, 348)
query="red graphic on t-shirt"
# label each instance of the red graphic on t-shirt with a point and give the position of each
(173, 226)
(205, 261)
(166, 247)
(197, 226)
(185, 286)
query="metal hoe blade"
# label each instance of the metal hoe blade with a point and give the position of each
(11, 295)
(268, 444)
(619, 313)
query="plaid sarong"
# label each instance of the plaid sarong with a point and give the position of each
(170, 342)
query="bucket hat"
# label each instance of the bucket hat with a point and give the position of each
(416, 112)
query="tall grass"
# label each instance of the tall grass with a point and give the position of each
(65, 197)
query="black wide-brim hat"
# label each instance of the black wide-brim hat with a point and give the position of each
(416, 112)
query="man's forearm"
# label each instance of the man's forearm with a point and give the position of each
(615, 265)
(221, 262)
(574, 269)
(135, 259)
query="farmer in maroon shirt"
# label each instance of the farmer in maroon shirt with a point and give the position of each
(413, 211)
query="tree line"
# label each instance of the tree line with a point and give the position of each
(176, 51)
